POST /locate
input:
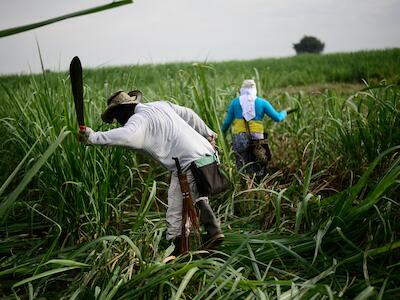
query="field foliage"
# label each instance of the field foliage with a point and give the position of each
(80, 222)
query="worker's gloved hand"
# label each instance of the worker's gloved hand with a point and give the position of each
(83, 135)
(211, 139)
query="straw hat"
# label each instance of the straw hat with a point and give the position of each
(120, 98)
(248, 83)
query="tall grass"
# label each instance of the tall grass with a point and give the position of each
(90, 222)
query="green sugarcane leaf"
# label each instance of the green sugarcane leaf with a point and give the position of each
(6, 204)
(14, 173)
(366, 293)
(185, 282)
(67, 263)
(19, 29)
(44, 274)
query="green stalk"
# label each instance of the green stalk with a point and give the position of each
(373, 252)
(9, 201)
(15, 30)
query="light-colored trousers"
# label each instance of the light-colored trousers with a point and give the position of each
(174, 211)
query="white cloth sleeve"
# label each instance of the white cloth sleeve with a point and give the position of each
(193, 120)
(123, 136)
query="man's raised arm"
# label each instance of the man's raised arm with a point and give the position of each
(124, 136)
(193, 120)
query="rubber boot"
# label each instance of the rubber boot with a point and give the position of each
(214, 235)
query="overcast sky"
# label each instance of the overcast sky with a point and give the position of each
(153, 31)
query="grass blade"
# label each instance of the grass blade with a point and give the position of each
(44, 274)
(14, 173)
(6, 204)
(96, 9)
(185, 282)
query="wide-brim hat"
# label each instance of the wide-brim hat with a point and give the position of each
(120, 98)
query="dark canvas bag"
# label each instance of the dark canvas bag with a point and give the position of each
(208, 177)
(259, 148)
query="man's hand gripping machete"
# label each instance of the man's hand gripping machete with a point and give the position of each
(75, 74)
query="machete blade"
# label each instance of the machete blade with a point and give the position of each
(75, 73)
(290, 111)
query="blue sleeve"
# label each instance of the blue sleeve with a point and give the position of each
(272, 113)
(230, 115)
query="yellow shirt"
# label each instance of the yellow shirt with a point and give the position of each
(255, 126)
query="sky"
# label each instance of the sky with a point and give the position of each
(160, 31)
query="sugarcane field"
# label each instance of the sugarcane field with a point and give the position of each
(248, 178)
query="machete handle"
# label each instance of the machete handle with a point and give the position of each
(292, 110)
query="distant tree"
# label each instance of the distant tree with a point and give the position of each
(309, 44)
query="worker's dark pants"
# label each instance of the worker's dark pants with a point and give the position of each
(245, 159)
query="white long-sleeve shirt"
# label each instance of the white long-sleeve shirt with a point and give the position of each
(163, 130)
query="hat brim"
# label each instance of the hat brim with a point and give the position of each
(136, 93)
(108, 115)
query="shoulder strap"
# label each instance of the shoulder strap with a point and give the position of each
(247, 126)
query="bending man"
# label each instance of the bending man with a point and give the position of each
(163, 130)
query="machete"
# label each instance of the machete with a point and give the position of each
(75, 74)
(292, 110)
(189, 215)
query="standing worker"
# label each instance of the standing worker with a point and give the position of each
(249, 141)
(164, 131)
